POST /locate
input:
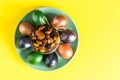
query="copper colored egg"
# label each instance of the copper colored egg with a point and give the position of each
(65, 51)
(25, 28)
(59, 22)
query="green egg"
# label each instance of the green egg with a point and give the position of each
(38, 17)
(34, 58)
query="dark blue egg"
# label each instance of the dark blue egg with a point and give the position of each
(23, 42)
(51, 60)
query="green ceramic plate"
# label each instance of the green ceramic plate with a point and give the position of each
(49, 13)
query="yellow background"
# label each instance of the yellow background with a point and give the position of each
(98, 54)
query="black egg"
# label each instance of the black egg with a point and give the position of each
(51, 60)
(23, 42)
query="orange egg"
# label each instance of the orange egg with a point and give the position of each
(59, 22)
(65, 51)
